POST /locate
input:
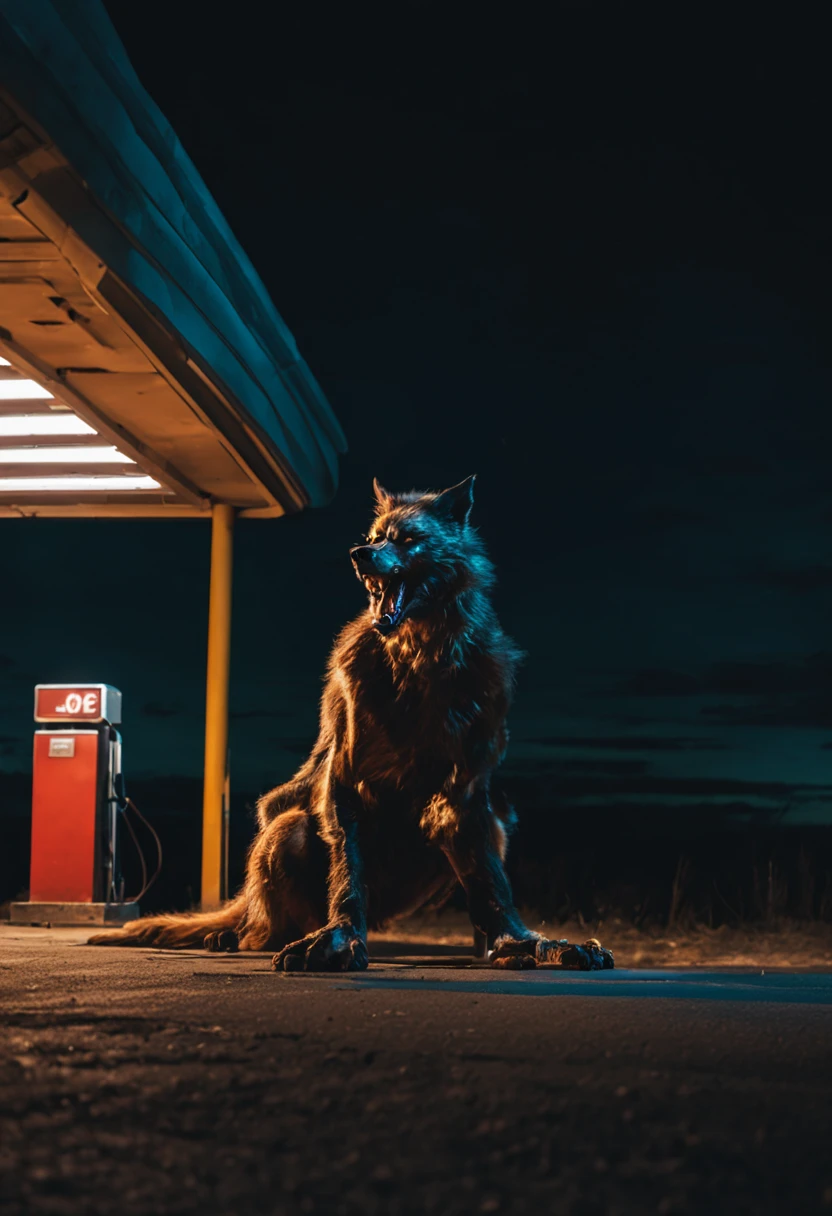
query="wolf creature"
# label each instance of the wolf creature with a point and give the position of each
(395, 804)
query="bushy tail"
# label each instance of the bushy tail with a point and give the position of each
(175, 931)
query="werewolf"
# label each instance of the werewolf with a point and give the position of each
(394, 805)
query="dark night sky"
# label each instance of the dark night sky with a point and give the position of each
(587, 258)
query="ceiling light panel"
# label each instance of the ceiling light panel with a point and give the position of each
(23, 390)
(57, 455)
(43, 424)
(72, 484)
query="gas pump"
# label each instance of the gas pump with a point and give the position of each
(77, 800)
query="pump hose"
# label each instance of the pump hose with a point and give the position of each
(147, 883)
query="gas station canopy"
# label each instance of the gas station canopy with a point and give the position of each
(143, 367)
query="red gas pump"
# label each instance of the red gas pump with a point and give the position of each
(77, 797)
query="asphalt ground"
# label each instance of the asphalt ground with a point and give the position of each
(138, 1081)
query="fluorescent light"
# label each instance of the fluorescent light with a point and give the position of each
(22, 390)
(65, 485)
(44, 424)
(56, 455)
(4, 362)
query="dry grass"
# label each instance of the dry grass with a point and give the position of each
(791, 944)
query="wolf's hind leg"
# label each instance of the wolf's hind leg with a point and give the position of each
(222, 941)
(293, 795)
(285, 883)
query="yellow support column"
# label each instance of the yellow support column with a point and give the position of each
(216, 702)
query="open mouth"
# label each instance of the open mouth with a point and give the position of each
(388, 602)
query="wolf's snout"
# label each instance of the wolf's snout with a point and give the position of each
(362, 556)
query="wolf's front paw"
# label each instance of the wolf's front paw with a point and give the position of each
(333, 948)
(519, 955)
(514, 954)
(586, 956)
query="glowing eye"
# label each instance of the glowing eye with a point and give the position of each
(406, 540)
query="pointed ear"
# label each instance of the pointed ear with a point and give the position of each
(383, 497)
(457, 501)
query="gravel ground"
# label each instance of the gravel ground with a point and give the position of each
(154, 1082)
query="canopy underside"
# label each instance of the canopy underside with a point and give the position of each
(125, 296)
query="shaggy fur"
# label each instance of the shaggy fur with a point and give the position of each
(395, 804)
